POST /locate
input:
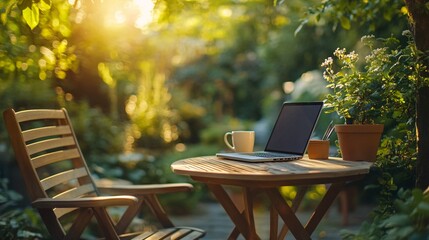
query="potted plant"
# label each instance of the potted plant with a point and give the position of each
(362, 93)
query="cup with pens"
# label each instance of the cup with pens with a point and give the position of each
(319, 149)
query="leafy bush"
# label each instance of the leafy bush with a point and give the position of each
(410, 219)
(17, 223)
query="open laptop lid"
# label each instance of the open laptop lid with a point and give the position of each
(294, 126)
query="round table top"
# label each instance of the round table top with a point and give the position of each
(213, 168)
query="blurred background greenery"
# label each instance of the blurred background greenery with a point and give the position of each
(149, 82)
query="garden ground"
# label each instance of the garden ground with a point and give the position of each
(211, 217)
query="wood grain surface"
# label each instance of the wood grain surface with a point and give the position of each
(214, 167)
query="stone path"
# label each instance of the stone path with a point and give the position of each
(212, 218)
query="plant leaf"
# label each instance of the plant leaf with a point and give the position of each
(423, 208)
(345, 23)
(44, 5)
(397, 220)
(23, 4)
(298, 29)
(31, 16)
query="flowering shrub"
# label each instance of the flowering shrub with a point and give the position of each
(367, 90)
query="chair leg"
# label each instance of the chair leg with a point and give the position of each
(128, 216)
(106, 223)
(236, 216)
(51, 222)
(159, 212)
(80, 223)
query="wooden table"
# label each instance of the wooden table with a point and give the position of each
(267, 178)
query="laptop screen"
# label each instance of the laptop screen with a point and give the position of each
(294, 127)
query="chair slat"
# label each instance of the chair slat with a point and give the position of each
(180, 233)
(195, 234)
(59, 212)
(50, 144)
(45, 132)
(54, 157)
(31, 115)
(172, 234)
(76, 192)
(143, 236)
(161, 234)
(63, 177)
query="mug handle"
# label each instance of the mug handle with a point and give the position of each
(225, 138)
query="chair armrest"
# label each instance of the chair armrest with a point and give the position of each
(85, 202)
(137, 190)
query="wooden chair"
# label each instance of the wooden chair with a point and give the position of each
(43, 141)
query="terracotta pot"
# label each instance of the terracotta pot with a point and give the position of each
(359, 142)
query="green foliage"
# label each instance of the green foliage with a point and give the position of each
(410, 219)
(386, 178)
(40, 54)
(16, 223)
(376, 89)
(154, 122)
(380, 88)
(311, 199)
(31, 10)
(371, 15)
(396, 160)
(31, 61)
(250, 67)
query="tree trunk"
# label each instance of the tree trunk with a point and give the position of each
(422, 167)
(419, 20)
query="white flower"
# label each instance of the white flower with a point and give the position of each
(328, 62)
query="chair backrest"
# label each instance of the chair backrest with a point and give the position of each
(49, 159)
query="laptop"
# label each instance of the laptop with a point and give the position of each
(289, 136)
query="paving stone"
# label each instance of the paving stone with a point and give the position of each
(212, 218)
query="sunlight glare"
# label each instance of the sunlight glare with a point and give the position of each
(288, 87)
(137, 12)
(146, 13)
(120, 17)
(225, 12)
(77, 4)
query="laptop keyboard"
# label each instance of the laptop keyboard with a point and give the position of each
(271, 155)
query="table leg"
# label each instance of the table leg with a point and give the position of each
(323, 206)
(234, 234)
(301, 191)
(248, 211)
(287, 214)
(241, 220)
(274, 222)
